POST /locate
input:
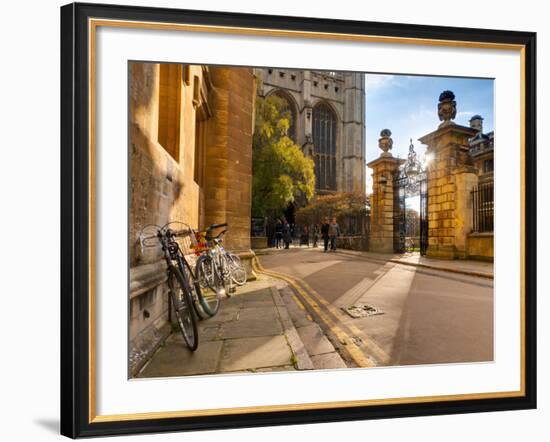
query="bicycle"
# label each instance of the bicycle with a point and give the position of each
(184, 289)
(218, 269)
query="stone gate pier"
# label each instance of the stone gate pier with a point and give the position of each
(451, 178)
(382, 200)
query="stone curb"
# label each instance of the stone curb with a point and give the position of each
(303, 361)
(418, 264)
(446, 269)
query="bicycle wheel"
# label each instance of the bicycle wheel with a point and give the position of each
(183, 308)
(195, 291)
(236, 268)
(211, 285)
(221, 265)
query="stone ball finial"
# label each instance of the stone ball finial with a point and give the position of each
(446, 108)
(385, 142)
(446, 95)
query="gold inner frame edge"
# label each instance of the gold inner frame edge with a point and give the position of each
(93, 24)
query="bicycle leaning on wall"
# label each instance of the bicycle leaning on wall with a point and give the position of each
(219, 270)
(187, 299)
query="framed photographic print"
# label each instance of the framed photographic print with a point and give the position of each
(279, 220)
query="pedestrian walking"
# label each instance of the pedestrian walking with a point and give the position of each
(287, 234)
(270, 233)
(278, 234)
(324, 232)
(304, 237)
(333, 233)
(315, 234)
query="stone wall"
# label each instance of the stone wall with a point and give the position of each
(190, 151)
(466, 179)
(229, 153)
(360, 243)
(481, 246)
(160, 190)
(448, 147)
(382, 203)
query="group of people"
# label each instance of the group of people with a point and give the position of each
(283, 234)
(329, 230)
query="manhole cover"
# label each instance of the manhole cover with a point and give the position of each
(362, 310)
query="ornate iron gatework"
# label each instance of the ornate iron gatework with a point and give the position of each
(410, 180)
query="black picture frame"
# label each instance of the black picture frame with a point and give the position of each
(75, 220)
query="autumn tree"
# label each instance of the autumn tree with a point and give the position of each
(350, 210)
(282, 174)
(412, 222)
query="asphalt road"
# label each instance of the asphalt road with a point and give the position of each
(428, 316)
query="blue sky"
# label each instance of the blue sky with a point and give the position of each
(407, 105)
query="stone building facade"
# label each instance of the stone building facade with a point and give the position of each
(328, 122)
(482, 151)
(190, 153)
(482, 148)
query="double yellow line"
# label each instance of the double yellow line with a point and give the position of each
(330, 317)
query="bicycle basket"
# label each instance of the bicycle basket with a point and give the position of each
(185, 237)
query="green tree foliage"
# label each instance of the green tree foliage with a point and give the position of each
(412, 222)
(281, 172)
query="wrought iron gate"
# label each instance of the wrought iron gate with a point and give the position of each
(411, 179)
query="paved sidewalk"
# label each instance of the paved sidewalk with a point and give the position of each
(252, 332)
(481, 269)
(463, 266)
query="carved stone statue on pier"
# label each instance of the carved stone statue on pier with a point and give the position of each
(446, 108)
(385, 142)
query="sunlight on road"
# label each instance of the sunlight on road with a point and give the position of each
(355, 293)
(390, 293)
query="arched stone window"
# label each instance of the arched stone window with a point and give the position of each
(292, 109)
(324, 146)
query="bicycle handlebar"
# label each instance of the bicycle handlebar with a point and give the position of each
(216, 226)
(211, 238)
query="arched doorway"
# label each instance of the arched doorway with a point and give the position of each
(324, 146)
(410, 219)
